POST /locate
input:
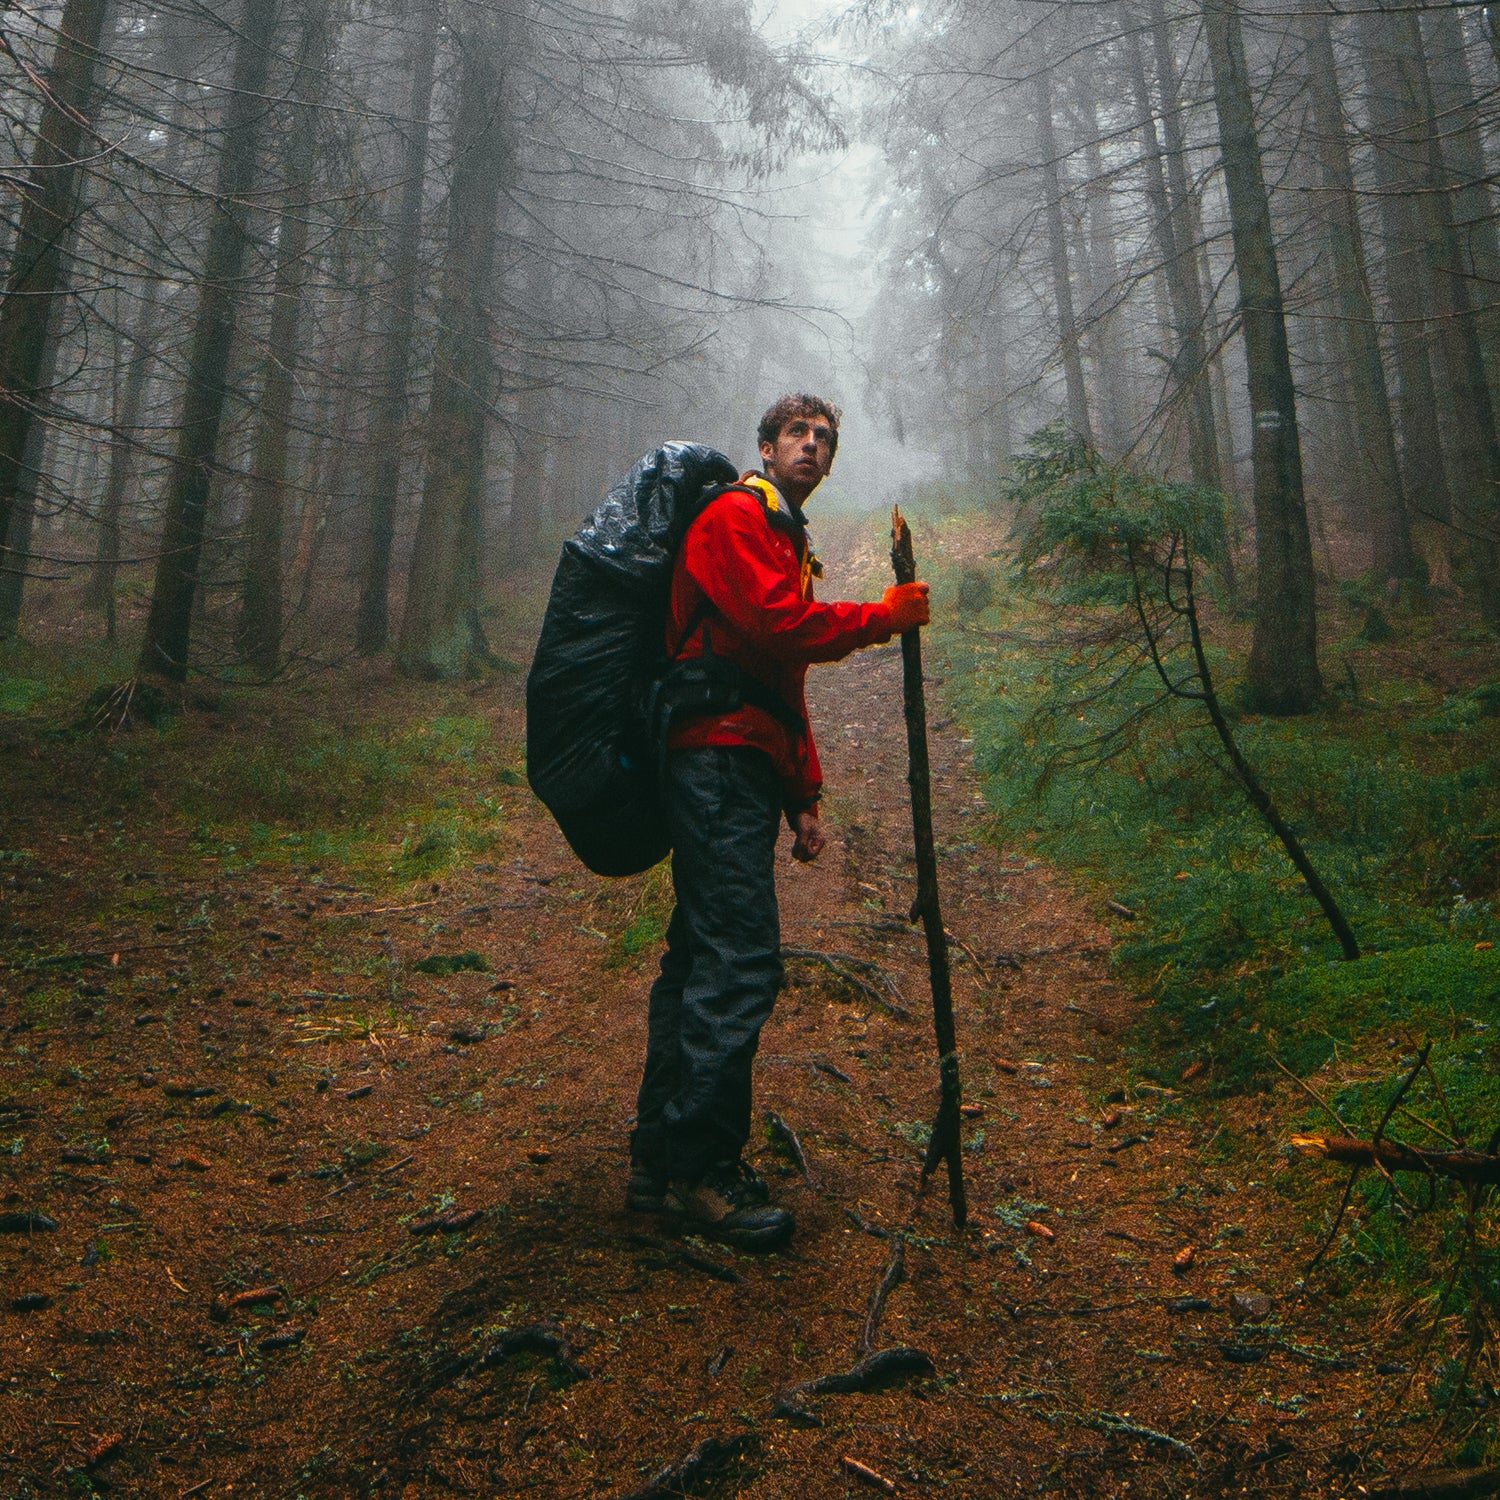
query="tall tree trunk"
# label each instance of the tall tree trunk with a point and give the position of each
(164, 650)
(327, 479)
(16, 556)
(261, 611)
(123, 449)
(37, 274)
(1474, 473)
(1104, 315)
(525, 528)
(1456, 109)
(441, 635)
(1282, 674)
(1057, 247)
(388, 429)
(1379, 472)
(1192, 244)
(1189, 361)
(1407, 281)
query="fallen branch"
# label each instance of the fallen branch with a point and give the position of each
(688, 1257)
(380, 911)
(1472, 1167)
(873, 1373)
(534, 1338)
(96, 955)
(708, 1459)
(1110, 1422)
(868, 1226)
(848, 967)
(866, 1475)
(895, 1273)
(1442, 1484)
(785, 1137)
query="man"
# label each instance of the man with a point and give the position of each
(741, 589)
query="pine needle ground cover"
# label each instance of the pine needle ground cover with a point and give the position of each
(1394, 789)
(316, 1150)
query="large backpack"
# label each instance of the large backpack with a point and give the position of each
(601, 694)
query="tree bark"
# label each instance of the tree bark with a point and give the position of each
(440, 627)
(1282, 675)
(164, 650)
(37, 274)
(1407, 281)
(528, 509)
(1456, 108)
(122, 450)
(16, 557)
(1474, 472)
(1379, 471)
(1104, 313)
(389, 425)
(1057, 248)
(261, 605)
(1189, 375)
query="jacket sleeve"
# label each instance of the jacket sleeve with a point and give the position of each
(731, 553)
(809, 789)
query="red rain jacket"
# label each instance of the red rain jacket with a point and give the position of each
(744, 576)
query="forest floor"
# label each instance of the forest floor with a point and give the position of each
(222, 1073)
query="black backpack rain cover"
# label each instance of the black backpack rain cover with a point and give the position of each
(588, 753)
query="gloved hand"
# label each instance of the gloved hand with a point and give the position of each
(907, 603)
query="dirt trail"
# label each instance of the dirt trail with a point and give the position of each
(1072, 1355)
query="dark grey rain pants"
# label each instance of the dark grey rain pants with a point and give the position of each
(722, 968)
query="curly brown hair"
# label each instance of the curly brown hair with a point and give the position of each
(798, 404)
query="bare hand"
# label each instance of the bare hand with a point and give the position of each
(809, 841)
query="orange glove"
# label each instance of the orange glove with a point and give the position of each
(907, 603)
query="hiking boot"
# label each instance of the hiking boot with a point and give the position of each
(729, 1203)
(754, 1185)
(646, 1189)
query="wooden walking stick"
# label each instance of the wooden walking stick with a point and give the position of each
(944, 1144)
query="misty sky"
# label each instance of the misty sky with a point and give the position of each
(832, 199)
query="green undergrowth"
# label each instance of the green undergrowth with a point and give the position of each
(1394, 789)
(401, 797)
(387, 786)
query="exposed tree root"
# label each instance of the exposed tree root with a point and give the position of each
(895, 1273)
(872, 1373)
(533, 1338)
(707, 1461)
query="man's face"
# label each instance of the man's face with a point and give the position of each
(801, 456)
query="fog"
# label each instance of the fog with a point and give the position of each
(352, 312)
